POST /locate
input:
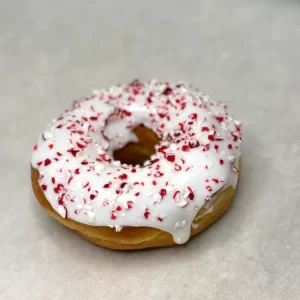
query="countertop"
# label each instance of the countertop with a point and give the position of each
(244, 53)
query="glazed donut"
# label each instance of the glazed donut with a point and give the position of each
(141, 165)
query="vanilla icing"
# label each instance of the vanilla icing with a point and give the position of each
(197, 156)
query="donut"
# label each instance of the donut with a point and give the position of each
(140, 165)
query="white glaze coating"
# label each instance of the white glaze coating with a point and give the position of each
(198, 155)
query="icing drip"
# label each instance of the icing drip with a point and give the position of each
(197, 156)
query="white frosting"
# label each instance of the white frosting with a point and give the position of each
(198, 155)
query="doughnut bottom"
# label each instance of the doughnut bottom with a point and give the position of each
(133, 238)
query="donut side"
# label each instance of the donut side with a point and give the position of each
(134, 238)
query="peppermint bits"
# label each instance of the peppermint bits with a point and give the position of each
(189, 193)
(176, 195)
(197, 155)
(163, 192)
(146, 213)
(44, 187)
(170, 157)
(47, 162)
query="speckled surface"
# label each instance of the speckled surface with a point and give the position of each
(245, 53)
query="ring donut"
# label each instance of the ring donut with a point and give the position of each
(141, 165)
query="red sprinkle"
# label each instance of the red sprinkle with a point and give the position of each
(162, 149)
(122, 185)
(235, 137)
(167, 91)
(136, 91)
(80, 145)
(170, 157)
(176, 194)
(211, 137)
(73, 151)
(191, 195)
(107, 185)
(154, 161)
(193, 116)
(163, 192)
(123, 176)
(86, 185)
(61, 199)
(58, 188)
(221, 161)
(47, 162)
(44, 187)
(182, 127)
(146, 213)
(158, 174)
(208, 187)
(194, 143)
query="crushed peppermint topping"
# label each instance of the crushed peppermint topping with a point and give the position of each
(198, 154)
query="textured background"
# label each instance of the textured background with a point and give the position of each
(246, 53)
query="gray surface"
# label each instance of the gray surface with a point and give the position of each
(246, 53)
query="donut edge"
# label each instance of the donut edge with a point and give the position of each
(135, 238)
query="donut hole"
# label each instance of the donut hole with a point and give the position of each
(137, 153)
